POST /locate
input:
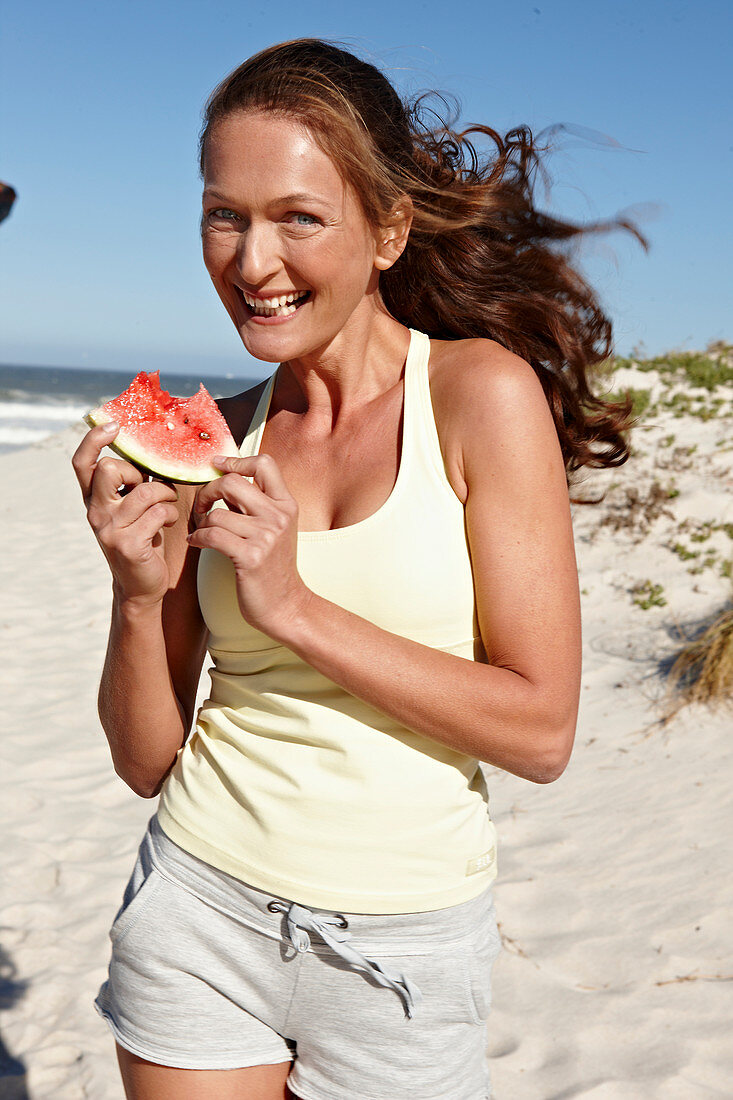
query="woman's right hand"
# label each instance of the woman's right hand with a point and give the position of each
(128, 526)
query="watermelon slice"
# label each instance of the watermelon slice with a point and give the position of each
(171, 437)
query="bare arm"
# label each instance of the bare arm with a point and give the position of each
(518, 710)
(157, 639)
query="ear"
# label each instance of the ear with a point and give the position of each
(392, 237)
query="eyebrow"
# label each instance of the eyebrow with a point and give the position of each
(294, 197)
(303, 196)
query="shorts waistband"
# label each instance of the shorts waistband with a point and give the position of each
(391, 933)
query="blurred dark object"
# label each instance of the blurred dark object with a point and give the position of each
(7, 198)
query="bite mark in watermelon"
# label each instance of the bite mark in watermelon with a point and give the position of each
(171, 437)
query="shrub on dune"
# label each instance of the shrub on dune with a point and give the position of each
(703, 670)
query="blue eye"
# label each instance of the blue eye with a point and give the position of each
(223, 212)
(304, 219)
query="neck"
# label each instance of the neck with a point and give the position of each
(361, 363)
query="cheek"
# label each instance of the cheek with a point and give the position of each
(209, 262)
(351, 264)
(216, 254)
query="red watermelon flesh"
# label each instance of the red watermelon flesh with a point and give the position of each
(171, 437)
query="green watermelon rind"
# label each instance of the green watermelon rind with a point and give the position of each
(129, 448)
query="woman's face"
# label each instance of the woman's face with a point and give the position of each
(279, 221)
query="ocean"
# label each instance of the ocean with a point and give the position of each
(35, 402)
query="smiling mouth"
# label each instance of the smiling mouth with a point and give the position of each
(281, 306)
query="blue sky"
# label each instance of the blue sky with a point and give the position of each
(101, 103)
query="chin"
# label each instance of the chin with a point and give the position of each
(269, 347)
(262, 354)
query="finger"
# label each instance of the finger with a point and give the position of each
(263, 468)
(110, 475)
(236, 491)
(143, 497)
(153, 520)
(218, 538)
(240, 524)
(87, 454)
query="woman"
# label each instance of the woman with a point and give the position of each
(385, 581)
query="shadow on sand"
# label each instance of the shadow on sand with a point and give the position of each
(12, 1071)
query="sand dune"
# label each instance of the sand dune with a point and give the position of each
(615, 894)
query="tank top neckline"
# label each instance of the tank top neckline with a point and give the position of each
(416, 365)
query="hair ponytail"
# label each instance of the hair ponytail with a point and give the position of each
(482, 261)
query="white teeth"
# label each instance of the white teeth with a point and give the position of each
(281, 306)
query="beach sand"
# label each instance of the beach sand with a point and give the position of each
(615, 893)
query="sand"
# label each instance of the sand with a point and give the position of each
(615, 894)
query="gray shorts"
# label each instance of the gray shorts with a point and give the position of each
(209, 973)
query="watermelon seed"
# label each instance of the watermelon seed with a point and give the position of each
(170, 425)
(204, 435)
(185, 420)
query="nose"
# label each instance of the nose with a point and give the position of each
(258, 255)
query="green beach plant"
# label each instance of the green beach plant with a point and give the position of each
(705, 370)
(691, 370)
(647, 594)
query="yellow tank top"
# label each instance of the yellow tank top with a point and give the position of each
(291, 784)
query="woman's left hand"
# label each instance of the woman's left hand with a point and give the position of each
(258, 532)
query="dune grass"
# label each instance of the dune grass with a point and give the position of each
(691, 382)
(702, 672)
(704, 370)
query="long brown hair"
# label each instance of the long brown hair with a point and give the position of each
(481, 259)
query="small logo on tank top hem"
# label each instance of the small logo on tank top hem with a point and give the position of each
(480, 863)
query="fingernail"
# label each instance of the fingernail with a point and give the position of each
(110, 427)
(219, 459)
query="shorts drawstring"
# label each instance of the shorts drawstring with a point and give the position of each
(332, 930)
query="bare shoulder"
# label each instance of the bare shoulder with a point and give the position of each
(478, 376)
(489, 408)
